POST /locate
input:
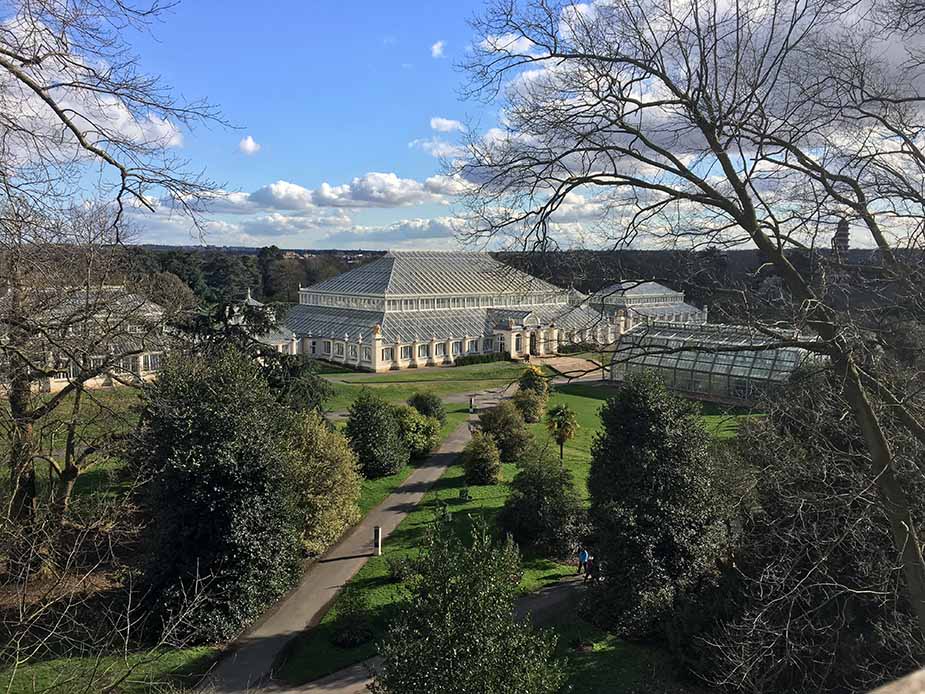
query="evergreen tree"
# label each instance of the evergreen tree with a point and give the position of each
(374, 435)
(458, 634)
(213, 446)
(653, 514)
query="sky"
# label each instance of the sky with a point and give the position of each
(340, 112)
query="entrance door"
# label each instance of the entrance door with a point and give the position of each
(534, 350)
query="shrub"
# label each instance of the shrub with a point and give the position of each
(530, 404)
(458, 634)
(814, 601)
(213, 445)
(532, 379)
(543, 509)
(429, 405)
(420, 434)
(507, 428)
(481, 460)
(374, 436)
(400, 569)
(574, 348)
(656, 527)
(467, 359)
(326, 481)
(352, 626)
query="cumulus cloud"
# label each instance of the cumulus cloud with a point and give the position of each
(418, 232)
(446, 125)
(373, 190)
(248, 145)
(437, 147)
(436, 50)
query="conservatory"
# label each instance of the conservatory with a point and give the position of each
(691, 359)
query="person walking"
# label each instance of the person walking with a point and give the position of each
(582, 559)
(590, 570)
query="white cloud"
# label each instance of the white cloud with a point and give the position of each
(437, 232)
(249, 146)
(447, 185)
(436, 147)
(446, 125)
(374, 189)
(436, 51)
(283, 195)
(508, 43)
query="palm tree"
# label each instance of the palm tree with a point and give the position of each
(562, 424)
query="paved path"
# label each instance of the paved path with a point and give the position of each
(549, 605)
(252, 656)
(303, 607)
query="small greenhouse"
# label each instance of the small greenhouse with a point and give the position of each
(690, 359)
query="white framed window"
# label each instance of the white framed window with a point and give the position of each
(388, 354)
(406, 352)
(367, 354)
(353, 351)
(457, 348)
(472, 347)
(152, 362)
(423, 350)
(339, 349)
(440, 349)
(488, 344)
(326, 347)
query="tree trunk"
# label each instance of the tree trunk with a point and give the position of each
(561, 451)
(893, 498)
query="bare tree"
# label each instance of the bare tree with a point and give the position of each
(699, 123)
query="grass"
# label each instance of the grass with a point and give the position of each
(599, 663)
(312, 655)
(148, 672)
(374, 491)
(397, 386)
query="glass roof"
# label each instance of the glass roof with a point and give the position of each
(651, 345)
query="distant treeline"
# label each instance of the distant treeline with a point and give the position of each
(225, 275)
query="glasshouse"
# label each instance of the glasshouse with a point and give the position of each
(698, 369)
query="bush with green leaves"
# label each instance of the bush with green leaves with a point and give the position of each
(531, 405)
(481, 460)
(543, 510)
(458, 634)
(352, 625)
(468, 359)
(326, 481)
(429, 405)
(420, 434)
(507, 428)
(656, 525)
(811, 599)
(534, 380)
(374, 435)
(213, 445)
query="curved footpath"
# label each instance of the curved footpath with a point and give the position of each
(246, 667)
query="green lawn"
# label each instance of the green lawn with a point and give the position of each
(600, 663)
(397, 386)
(312, 654)
(136, 673)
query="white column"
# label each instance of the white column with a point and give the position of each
(432, 359)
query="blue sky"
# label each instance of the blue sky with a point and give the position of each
(330, 92)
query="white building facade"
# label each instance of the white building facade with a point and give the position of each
(428, 308)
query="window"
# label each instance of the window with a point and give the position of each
(518, 344)
(353, 351)
(388, 354)
(367, 354)
(406, 352)
(339, 349)
(440, 349)
(423, 350)
(152, 362)
(472, 347)
(488, 344)
(457, 348)
(326, 347)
